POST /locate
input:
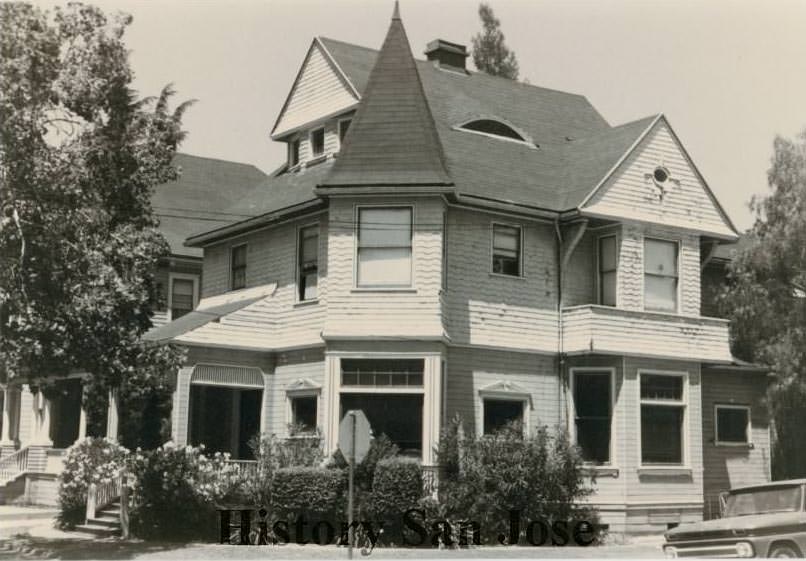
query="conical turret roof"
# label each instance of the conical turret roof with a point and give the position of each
(393, 139)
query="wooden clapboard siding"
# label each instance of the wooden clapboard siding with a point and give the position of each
(319, 92)
(629, 194)
(406, 313)
(602, 329)
(729, 466)
(290, 367)
(470, 370)
(494, 310)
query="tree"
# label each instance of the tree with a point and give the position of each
(490, 54)
(79, 157)
(765, 300)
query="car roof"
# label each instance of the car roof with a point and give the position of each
(771, 484)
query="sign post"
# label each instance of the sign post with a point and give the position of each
(354, 437)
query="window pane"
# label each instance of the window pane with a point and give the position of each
(658, 386)
(499, 412)
(660, 293)
(239, 256)
(384, 227)
(731, 424)
(607, 254)
(181, 297)
(592, 395)
(318, 142)
(661, 434)
(303, 413)
(506, 266)
(309, 243)
(308, 286)
(660, 257)
(506, 238)
(607, 289)
(382, 372)
(593, 439)
(308, 264)
(384, 266)
(238, 278)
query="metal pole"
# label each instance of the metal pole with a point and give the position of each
(350, 490)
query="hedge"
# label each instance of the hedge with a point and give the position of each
(396, 488)
(314, 493)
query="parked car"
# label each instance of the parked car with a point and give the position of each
(759, 521)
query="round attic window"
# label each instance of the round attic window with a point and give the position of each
(660, 176)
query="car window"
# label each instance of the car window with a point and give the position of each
(764, 501)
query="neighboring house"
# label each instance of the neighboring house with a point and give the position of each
(37, 426)
(444, 242)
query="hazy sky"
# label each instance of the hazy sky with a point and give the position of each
(728, 74)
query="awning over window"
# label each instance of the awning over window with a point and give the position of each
(222, 375)
(208, 310)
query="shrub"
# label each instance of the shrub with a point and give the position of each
(92, 460)
(540, 476)
(396, 487)
(175, 492)
(314, 493)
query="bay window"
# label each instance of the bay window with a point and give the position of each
(660, 275)
(663, 413)
(384, 246)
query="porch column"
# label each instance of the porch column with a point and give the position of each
(330, 415)
(181, 407)
(112, 416)
(6, 444)
(41, 420)
(432, 408)
(26, 419)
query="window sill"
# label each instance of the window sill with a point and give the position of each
(303, 303)
(503, 276)
(745, 445)
(365, 289)
(600, 471)
(671, 471)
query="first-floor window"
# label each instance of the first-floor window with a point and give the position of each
(498, 413)
(384, 246)
(303, 414)
(507, 250)
(183, 292)
(732, 424)
(663, 413)
(592, 414)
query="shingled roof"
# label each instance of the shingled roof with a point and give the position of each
(392, 139)
(198, 200)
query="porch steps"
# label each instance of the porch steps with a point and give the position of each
(106, 523)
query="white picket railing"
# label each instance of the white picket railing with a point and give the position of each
(99, 496)
(243, 467)
(13, 465)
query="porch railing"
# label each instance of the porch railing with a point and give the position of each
(104, 494)
(13, 465)
(431, 476)
(243, 467)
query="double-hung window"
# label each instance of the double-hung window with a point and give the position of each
(308, 262)
(593, 413)
(660, 275)
(608, 263)
(318, 142)
(663, 414)
(507, 250)
(303, 414)
(344, 126)
(384, 246)
(732, 425)
(238, 267)
(182, 298)
(293, 153)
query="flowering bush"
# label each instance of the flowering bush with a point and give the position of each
(175, 491)
(92, 460)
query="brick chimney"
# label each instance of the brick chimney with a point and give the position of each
(446, 53)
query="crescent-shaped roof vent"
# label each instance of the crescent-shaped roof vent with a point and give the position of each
(494, 128)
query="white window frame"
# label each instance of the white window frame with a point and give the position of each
(748, 428)
(324, 142)
(684, 403)
(521, 265)
(290, 395)
(499, 395)
(232, 249)
(338, 132)
(182, 276)
(356, 232)
(297, 255)
(598, 272)
(678, 301)
(572, 428)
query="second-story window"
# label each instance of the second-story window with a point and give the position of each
(660, 275)
(506, 250)
(344, 125)
(238, 267)
(183, 295)
(308, 262)
(293, 153)
(607, 270)
(384, 246)
(317, 142)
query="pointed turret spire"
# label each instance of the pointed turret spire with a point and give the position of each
(393, 139)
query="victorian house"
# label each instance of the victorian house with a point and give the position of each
(439, 242)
